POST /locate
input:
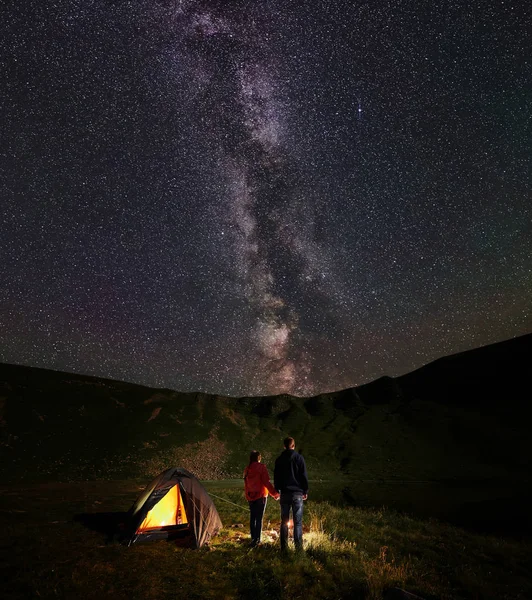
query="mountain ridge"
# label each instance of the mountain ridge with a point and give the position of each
(526, 340)
(461, 416)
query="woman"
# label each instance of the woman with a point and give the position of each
(257, 485)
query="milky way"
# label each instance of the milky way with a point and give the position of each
(242, 100)
(262, 197)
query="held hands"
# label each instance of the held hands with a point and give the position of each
(277, 497)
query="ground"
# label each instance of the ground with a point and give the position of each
(56, 543)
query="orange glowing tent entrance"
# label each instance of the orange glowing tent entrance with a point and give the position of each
(174, 506)
(167, 512)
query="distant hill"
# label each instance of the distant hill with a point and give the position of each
(463, 417)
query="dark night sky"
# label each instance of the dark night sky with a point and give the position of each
(251, 197)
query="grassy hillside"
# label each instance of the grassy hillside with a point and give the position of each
(463, 417)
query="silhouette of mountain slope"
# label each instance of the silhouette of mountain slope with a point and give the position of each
(464, 416)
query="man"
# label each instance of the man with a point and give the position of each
(290, 479)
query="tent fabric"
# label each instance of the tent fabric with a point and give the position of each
(174, 506)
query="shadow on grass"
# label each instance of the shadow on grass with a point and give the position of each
(481, 509)
(510, 518)
(112, 524)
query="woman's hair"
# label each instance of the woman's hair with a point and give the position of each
(255, 456)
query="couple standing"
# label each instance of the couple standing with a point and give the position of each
(290, 479)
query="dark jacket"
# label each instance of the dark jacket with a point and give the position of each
(290, 473)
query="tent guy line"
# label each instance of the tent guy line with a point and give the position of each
(228, 501)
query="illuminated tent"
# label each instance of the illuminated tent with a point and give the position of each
(174, 506)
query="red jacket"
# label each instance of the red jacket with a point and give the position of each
(257, 482)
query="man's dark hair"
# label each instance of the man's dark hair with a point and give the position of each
(255, 456)
(289, 442)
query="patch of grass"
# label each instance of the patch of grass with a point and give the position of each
(349, 553)
(383, 572)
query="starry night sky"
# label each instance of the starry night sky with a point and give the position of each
(262, 196)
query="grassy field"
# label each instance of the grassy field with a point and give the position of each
(54, 545)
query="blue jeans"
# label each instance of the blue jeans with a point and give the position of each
(256, 512)
(292, 501)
